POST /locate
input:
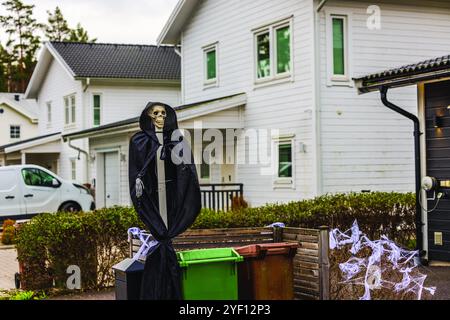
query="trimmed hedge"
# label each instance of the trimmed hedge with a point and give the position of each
(95, 241)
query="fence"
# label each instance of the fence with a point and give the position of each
(220, 196)
(311, 264)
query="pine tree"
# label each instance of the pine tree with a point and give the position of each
(57, 28)
(23, 42)
(3, 69)
(79, 34)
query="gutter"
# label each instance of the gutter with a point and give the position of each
(417, 134)
(83, 152)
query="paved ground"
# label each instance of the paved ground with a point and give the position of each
(438, 277)
(8, 267)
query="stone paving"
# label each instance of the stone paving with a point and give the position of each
(8, 267)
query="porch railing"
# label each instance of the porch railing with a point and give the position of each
(220, 196)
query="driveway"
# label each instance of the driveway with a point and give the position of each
(8, 267)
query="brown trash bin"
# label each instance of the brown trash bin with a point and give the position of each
(267, 272)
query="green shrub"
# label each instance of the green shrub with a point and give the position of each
(391, 214)
(95, 241)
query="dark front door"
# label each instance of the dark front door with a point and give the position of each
(437, 111)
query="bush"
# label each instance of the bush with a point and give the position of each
(392, 214)
(9, 232)
(95, 241)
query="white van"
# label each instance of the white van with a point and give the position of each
(27, 190)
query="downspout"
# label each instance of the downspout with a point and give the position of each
(317, 91)
(83, 152)
(417, 134)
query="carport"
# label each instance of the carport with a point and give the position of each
(432, 145)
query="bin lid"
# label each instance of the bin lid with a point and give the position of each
(192, 257)
(263, 249)
(129, 266)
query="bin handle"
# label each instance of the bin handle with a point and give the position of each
(187, 263)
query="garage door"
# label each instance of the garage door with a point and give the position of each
(111, 179)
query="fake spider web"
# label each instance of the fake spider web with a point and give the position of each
(378, 265)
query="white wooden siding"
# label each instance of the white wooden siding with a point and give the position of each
(122, 102)
(366, 146)
(56, 85)
(286, 106)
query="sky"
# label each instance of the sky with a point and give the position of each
(116, 21)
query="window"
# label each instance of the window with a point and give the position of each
(73, 169)
(273, 51)
(205, 166)
(285, 160)
(37, 178)
(96, 106)
(69, 109)
(263, 55)
(205, 171)
(210, 64)
(14, 132)
(338, 48)
(49, 112)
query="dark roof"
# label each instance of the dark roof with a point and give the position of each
(406, 72)
(122, 61)
(27, 140)
(135, 120)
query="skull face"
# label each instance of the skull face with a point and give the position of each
(158, 115)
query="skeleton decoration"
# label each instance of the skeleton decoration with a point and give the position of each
(385, 257)
(158, 115)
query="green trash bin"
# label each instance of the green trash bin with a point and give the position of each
(209, 274)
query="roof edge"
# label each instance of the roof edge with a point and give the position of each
(181, 13)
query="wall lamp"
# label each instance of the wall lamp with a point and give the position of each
(437, 121)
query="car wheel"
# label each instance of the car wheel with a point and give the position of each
(70, 207)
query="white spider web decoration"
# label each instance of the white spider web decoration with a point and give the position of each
(385, 256)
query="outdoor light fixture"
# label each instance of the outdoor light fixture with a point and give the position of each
(437, 121)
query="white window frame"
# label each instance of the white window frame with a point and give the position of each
(71, 108)
(20, 131)
(49, 113)
(73, 169)
(333, 79)
(281, 182)
(271, 28)
(101, 108)
(211, 82)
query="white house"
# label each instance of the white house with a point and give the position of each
(295, 60)
(18, 122)
(287, 68)
(80, 86)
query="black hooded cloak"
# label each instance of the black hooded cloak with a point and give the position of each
(161, 278)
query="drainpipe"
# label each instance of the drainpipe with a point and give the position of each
(83, 152)
(417, 134)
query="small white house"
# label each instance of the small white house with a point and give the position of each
(18, 122)
(80, 86)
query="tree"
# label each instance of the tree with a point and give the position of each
(4, 63)
(79, 34)
(57, 28)
(23, 41)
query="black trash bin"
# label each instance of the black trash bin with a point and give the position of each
(128, 275)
